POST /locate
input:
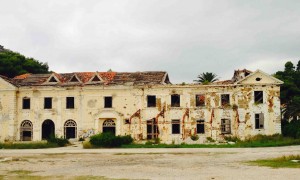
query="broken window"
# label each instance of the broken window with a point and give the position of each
(200, 100)
(108, 102)
(259, 121)
(175, 100)
(200, 127)
(152, 129)
(175, 126)
(225, 126)
(151, 101)
(26, 103)
(70, 102)
(48, 103)
(225, 99)
(258, 97)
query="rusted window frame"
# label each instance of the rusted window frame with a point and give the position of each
(225, 99)
(259, 121)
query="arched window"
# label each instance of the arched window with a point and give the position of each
(70, 129)
(48, 129)
(26, 130)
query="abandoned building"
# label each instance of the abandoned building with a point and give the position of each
(144, 105)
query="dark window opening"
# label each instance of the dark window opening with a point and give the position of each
(258, 97)
(151, 101)
(48, 103)
(70, 103)
(152, 129)
(258, 79)
(225, 99)
(259, 121)
(126, 121)
(107, 102)
(26, 103)
(200, 100)
(52, 79)
(74, 79)
(175, 100)
(175, 126)
(95, 79)
(225, 126)
(200, 127)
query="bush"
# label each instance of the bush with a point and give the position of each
(59, 141)
(291, 129)
(109, 140)
(232, 138)
(194, 137)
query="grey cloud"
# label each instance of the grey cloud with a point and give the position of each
(184, 38)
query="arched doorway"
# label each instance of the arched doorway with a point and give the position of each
(26, 131)
(70, 129)
(48, 129)
(109, 126)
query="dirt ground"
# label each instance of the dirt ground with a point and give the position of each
(207, 163)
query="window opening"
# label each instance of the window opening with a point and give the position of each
(225, 99)
(200, 127)
(48, 103)
(225, 126)
(70, 103)
(200, 100)
(175, 126)
(26, 103)
(151, 101)
(258, 97)
(152, 129)
(259, 121)
(108, 102)
(175, 100)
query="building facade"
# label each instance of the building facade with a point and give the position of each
(144, 105)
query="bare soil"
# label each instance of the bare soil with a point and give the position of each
(204, 163)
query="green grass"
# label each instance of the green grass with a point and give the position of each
(255, 141)
(30, 145)
(281, 162)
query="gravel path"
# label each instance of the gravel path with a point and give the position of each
(202, 163)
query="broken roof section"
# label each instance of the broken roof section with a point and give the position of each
(88, 78)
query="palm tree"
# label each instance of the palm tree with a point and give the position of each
(206, 78)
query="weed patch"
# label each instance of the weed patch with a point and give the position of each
(281, 162)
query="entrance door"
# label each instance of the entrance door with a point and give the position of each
(70, 129)
(26, 131)
(109, 126)
(48, 129)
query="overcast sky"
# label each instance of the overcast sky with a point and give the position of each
(182, 37)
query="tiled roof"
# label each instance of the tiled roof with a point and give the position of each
(85, 78)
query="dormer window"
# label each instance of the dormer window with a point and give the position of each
(74, 79)
(52, 79)
(96, 79)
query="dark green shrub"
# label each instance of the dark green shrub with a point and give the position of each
(194, 137)
(232, 138)
(291, 129)
(59, 141)
(109, 140)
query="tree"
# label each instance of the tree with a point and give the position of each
(206, 78)
(13, 64)
(290, 90)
